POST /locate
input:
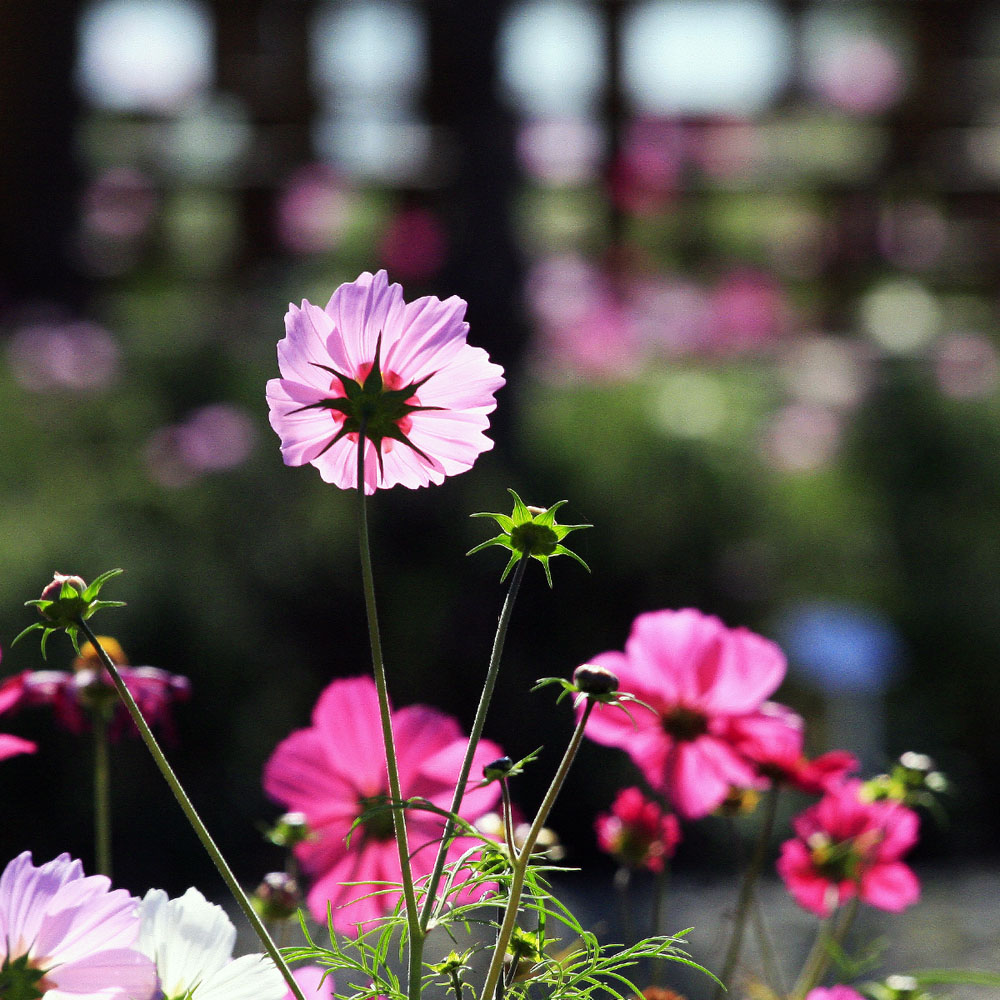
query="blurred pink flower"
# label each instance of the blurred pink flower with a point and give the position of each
(834, 993)
(75, 695)
(773, 740)
(847, 847)
(75, 930)
(405, 367)
(310, 979)
(747, 312)
(212, 438)
(697, 676)
(68, 356)
(413, 245)
(11, 746)
(637, 831)
(314, 209)
(335, 770)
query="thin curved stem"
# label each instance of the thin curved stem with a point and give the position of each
(191, 813)
(524, 857)
(102, 793)
(415, 932)
(831, 933)
(660, 883)
(474, 736)
(750, 877)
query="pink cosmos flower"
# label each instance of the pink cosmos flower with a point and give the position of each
(11, 746)
(335, 770)
(772, 739)
(68, 936)
(402, 368)
(834, 993)
(75, 696)
(697, 676)
(847, 847)
(637, 832)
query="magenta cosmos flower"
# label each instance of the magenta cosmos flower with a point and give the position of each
(67, 936)
(637, 832)
(402, 369)
(335, 770)
(773, 739)
(834, 993)
(847, 847)
(11, 746)
(697, 676)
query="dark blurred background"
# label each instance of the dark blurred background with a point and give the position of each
(738, 257)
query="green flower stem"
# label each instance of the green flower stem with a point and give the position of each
(520, 863)
(831, 934)
(102, 794)
(189, 811)
(660, 883)
(772, 969)
(415, 932)
(477, 731)
(745, 901)
(623, 886)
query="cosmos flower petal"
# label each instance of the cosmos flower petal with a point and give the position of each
(891, 886)
(251, 977)
(131, 972)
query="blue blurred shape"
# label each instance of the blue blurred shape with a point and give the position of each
(843, 648)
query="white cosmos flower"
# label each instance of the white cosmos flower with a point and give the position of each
(191, 941)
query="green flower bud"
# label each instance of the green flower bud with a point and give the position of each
(277, 897)
(593, 679)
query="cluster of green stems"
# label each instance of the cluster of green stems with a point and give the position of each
(419, 918)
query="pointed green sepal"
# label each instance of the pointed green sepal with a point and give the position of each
(531, 531)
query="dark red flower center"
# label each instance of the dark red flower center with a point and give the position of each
(684, 724)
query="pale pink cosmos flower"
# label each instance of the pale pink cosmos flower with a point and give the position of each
(402, 368)
(637, 832)
(697, 676)
(335, 770)
(846, 847)
(68, 936)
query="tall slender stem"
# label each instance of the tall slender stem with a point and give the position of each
(750, 877)
(415, 932)
(189, 811)
(477, 731)
(660, 882)
(102, 793)
(520, 866)
(831, 932)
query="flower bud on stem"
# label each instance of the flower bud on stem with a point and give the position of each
(189, 811)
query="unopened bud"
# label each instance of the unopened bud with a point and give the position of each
(592, 679)
(277, 897)
(289, 830)
(497, 768)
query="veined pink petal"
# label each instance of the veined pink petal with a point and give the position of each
(132, 974)
(361, 311)
(25, 894)
(700, 774)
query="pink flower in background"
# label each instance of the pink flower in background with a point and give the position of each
(834, 993)
(847, 847)
(414, 244)
(310, 979)
(697, 676)
(404, 368)
(11, 746)
(637, 831)
(335, 770)
(772, 739)
(75, 695)
(66, 935)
